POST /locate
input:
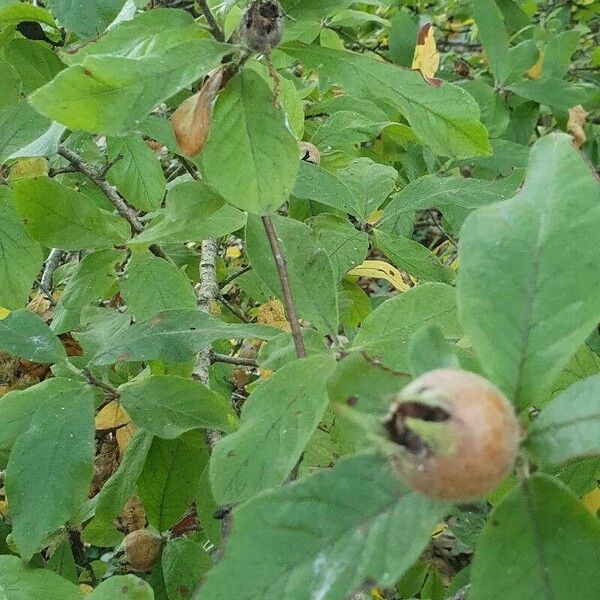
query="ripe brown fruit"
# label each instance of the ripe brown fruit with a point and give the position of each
(141, 549)
(457, 435)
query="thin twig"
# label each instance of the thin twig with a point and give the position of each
(54, 259)
(216, 31)
(441, 228)
(233, 309)
(128, 213)
(288, 301)
(234, 276)
(232, 360)
(357, 42)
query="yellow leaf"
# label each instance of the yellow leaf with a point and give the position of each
(265, 373)
(535, 72)
(374, 217)
(426, 58)
(376, 594)
(3, 508)
(272, 313)
(111, 417)
(27, 168)
(439, 529)
(592, 501)
(123, 436)
(379, 269)
(4, 312)
(233, 252)
(85, 589)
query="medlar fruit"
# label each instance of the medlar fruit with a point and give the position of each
(141, 549)
(458, 436)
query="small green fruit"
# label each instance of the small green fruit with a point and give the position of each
(456, 433)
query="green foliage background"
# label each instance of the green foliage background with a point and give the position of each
(148, 375)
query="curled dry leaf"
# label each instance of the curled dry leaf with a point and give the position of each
(577, 117)
(379, 269)
(309, 153)
(192, 119)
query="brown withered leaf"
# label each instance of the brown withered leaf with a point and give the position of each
(132, 517)
(192, 119)
(577, 117)
(309, 153)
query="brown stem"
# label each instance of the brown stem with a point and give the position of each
(216, 31)
(288, 301)
(233, 309)
(234, 276)
(113, 196)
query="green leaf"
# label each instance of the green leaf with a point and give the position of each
(313, 9)
(20, 126)
(310, 273)
(558, 53)
(412, 257)
(556, 93)
(171, 289)
(370, 182)
(59, 217)
(35, 61)
(138, 174)
(62, 561)
(493, 36)
(170, 477)
(433, 191)
(87, 20)
(345, 130)
(345, 245)
(16, 410)
(94, 276)
(25, 335)
(495, 114)
(528, 277)
(251, 156)
(429, 350)
(569, 426)
(120, 486)
(122, 587)
(316, 184)
(17, 13)
(540, 543)
(279, 351)
(19, 582)
(386, 332)
(445, 118)
(56, 453)
(117, 80)
(20, 257)
(167, 406)
(174, 336)
(183, 562)
(324, 536)
(403, 37)
(278, 420)
(194, 211)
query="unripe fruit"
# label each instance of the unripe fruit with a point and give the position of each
(141, 549)
(457, 433)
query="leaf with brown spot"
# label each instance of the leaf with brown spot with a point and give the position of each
(192, 119)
